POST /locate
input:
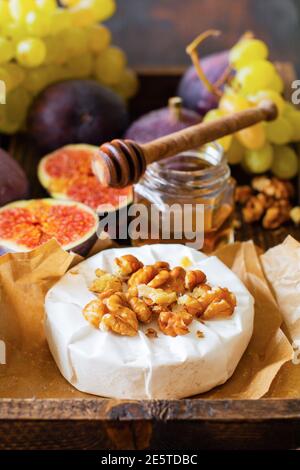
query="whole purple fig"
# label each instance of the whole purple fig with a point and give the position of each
(13, 182)
(162, 122)
(193, 92)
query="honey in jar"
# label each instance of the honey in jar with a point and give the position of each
(198, 178)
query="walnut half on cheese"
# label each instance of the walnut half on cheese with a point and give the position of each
(138, 293)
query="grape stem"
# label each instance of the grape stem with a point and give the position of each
(214, 88)
(192, 50)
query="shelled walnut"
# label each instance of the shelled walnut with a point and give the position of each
(267, 200)
(139, 294)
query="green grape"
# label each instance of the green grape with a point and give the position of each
(102, 9)
(47, 6)
(235, 153)
(56, 51)
(14, 31)
(5, 16)
(2, 113)
(61, 21)
(231, 103)
(17, 104)
(269, 95)
(253, 137)
(212, 115)
(128, 84)
(109, 65)
(37, 79)
(258, 161)
(5, 77)
(9, 127)
(81, 67)
(81, 16)
(20, 8)
(285, 163)
(16, 73)
(31, 52)
(256, 76)
(69, 3)
(280, 131)
(38, 23)
(75, 41)
(7, 50)
(247, 51)
(277, 83)
(98, 37)
(293, 117)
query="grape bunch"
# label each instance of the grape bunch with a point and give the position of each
(43, 42)
(264, 146)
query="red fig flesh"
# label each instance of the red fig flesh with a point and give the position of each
(67, 174)
(25, 225)
(13, 182)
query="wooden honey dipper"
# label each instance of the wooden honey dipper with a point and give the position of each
(122, 162)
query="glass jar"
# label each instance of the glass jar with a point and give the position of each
(197, 178)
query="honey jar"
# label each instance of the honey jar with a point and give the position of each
(194, 179)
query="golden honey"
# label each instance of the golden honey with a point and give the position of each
(198, 178)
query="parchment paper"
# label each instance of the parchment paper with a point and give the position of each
(30, 370)
(282, 268)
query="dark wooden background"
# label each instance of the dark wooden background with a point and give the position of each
(154, 33)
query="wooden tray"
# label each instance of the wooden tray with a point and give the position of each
(96, 423)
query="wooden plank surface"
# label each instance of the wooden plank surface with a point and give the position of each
(156, 33)
(160, 425)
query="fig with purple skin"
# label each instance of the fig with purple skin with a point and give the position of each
(13, 182)
(76, 111)
(193, 92)
(162, 122)
(25, 225)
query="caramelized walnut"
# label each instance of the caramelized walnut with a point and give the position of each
(273, 187)
(175, 323)
(142, 276)
(106, 282)
(151, 333)
(128, 264)
(242, 194)
(120, 319)
(277, 214)
(194, 278)
(254, 208)
(141, 309)
(94, 311)
(192, 305)
(160, 279)
(219, 303)
(155, 289)
(157, 296)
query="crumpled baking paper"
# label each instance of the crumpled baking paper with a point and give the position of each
(282, 268)
(30, 370)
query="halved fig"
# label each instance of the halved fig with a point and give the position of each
(67, 173)
(25, 225)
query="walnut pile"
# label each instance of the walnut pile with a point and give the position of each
(267, 200)
(137, 294)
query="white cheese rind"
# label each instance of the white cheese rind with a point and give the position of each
(109, 365)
